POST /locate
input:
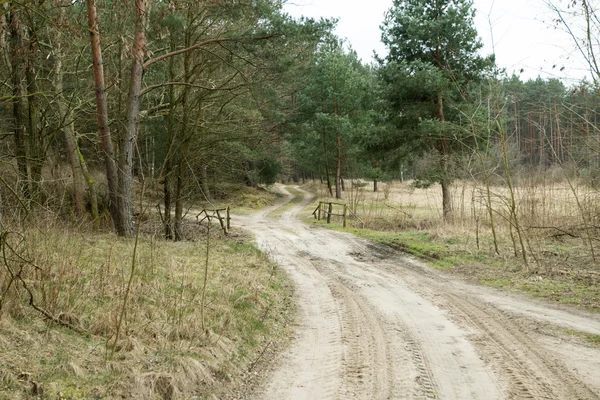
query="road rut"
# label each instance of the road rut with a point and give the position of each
(377, 324)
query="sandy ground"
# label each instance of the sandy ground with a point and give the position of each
(376, 324)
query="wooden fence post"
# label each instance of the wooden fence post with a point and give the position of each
(329, 212)
(319, 212)
(228, 218)
(345, 210)
(221, 222)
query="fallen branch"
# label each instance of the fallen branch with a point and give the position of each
(260, 356)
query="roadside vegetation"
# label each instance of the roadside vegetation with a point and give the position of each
(561, 265)
(120, 121)
(188, 329)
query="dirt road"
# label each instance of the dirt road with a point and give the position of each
(375, 324)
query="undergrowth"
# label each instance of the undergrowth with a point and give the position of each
(60, 297)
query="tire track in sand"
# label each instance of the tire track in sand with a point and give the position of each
(372, 326)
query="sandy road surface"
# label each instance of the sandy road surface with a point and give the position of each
(374, 324)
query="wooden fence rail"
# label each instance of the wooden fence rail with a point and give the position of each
(209, 214)
(325, 210)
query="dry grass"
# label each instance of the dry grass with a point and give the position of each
(80, 279)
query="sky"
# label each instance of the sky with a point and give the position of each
(520, 32)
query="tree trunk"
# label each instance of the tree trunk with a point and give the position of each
(338, 168)
(179, 202)
(16, 55)
(91, 187)
(131, 127)
(182, 153)
(1, 223)
(102, 119)
(338, 164)
(445, 180)
(326, 164)
(446, 200)
(35, 135)
(329, 186)
(67, 122)
(167, 193)
(205, 187)
(168, 166)
(71, 148)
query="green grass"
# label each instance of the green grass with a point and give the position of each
(417, 243)
(590, 337)
(297, 197)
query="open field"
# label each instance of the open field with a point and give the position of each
(557, 223)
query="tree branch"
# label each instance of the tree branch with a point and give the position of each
(203, 44)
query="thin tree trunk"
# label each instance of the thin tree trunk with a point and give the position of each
(326, 165)
(182, 150)
(131, 127)
(446, 200)
(67, 121)
(35, 136)
(338, 164)
(168, 166)
(167, 193)
(1, 222)
(179, 202)
(445, 180)
(205, 187)
(102, 119)
(16, 60)
(71, 148)
(91, 187)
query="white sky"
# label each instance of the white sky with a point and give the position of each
(523, 34)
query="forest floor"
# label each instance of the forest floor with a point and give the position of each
(376, 323)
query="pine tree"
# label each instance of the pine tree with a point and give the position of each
(433, 58)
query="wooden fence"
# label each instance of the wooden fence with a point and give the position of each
(209, 214)
(326, 209)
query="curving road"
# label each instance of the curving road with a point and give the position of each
(376, 324)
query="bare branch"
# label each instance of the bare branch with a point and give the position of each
(200, 45)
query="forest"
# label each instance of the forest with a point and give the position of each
(118, 117)
(189, 100)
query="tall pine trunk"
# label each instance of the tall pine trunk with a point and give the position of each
(338, 168)
(185, 137)
(338, 163)
(327, 175)
(444, 153)
(102, 119)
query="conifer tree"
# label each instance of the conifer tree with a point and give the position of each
(433, 58)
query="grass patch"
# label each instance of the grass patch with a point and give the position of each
(244, 199)
(590, 337)
(297, 197)
(80, 279)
